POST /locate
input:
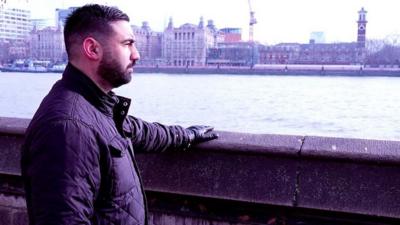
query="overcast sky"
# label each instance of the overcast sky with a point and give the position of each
(278, 20)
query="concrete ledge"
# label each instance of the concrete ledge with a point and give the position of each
(332, 175)
(360, 150)
(13, 126)
(350, 187)
(268, 144)
(12, 132)
(243, 177)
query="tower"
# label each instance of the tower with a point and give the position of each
(361, 28)
(201, 23)
(170, 24)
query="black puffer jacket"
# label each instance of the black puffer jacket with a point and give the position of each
(78, 160)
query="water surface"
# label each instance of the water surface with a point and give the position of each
(362, 107)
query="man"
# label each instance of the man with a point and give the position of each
(77, 159)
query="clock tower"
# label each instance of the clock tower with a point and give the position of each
(361, 28)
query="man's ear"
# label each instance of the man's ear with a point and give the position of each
(92, 48)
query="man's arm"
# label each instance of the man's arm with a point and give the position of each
(61, 174)
(158, 137)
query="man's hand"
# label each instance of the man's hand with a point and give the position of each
(199, 133)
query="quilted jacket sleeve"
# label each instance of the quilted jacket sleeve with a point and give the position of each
(61, 173)
(157, 137)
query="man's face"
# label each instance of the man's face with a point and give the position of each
(119, 55)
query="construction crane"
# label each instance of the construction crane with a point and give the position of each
(251, 23)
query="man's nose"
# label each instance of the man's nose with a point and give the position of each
(135, 53)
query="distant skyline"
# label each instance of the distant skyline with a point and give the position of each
(278, 21)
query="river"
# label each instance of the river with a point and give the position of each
(358, 107)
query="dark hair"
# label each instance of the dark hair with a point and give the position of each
(90, 20)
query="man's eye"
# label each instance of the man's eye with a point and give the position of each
(130, 43)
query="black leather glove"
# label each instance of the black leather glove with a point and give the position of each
(199, 133)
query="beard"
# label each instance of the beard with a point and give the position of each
(111, 70)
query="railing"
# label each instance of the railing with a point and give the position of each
(248, 179)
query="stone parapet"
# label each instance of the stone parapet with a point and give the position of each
(249, 179)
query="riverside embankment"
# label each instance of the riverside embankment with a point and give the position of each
(248, 179)
(293, 70)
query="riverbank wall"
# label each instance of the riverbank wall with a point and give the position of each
(276, 70)
(288, 70)
(245, 178)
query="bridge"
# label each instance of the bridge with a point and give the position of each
(245, 178)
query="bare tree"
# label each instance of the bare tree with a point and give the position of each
(384, 51)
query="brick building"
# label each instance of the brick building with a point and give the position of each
(319, 53)
(284, 53)
(232, 35)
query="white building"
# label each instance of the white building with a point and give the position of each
(148, 43)
(188, 44)
(15, 24)
(48, 44)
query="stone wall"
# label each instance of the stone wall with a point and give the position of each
(248, 179)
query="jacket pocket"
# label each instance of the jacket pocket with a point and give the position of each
(124, 177)
(116, 152)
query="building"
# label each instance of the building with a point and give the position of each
(188, 44)
(361, 28)
(312, 53)
(233, 54)
(15, 26)
(4, 46)
(218, 36)
(148, 43)
(18, 50)
(48, 44)
(331, 53)
(284, 53)
(318, 52)
(337, 53)
(232, 34)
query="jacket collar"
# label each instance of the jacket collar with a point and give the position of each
(108, 103)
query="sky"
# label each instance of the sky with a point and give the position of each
(278, 20)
